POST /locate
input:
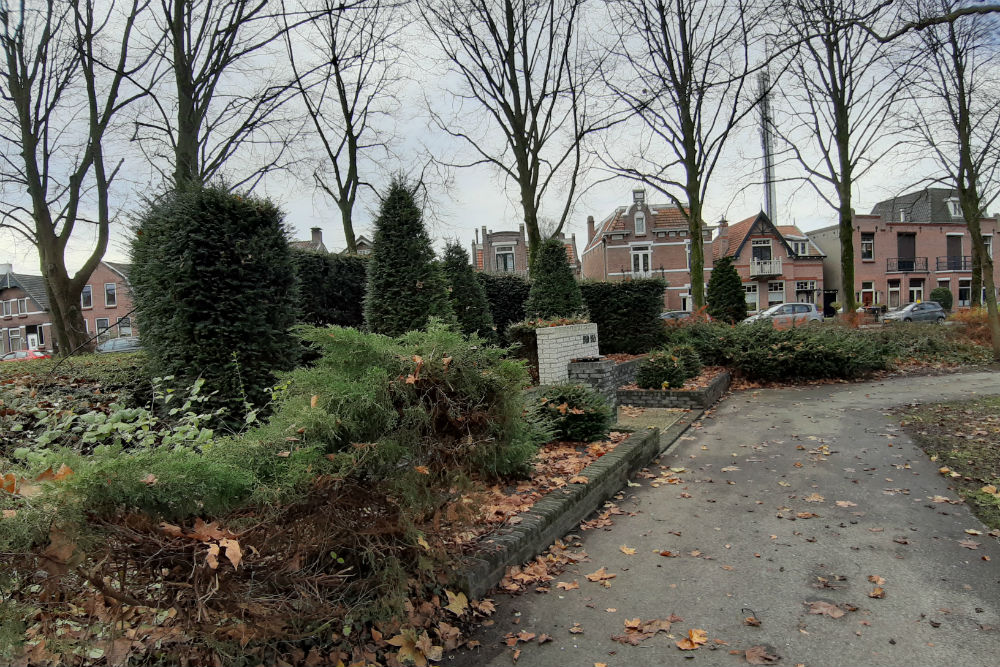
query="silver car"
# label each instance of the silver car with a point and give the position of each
(788, 314)
(925, 311)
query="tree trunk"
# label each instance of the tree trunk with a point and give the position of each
(64, 302)
(971, 208)
(847, 257)
(186, 169)
(977, 277)
(346, 213)
(697, 254)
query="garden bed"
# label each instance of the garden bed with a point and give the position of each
(698, 392)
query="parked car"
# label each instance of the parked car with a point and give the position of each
(788, 314)
(25, 355)
(675, 315)
(924, 311)
(124, 344)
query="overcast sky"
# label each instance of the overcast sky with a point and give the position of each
(477, 195)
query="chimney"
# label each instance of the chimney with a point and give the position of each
(317, 235)
(6, 268)
(639, 196)
(520, 231)
(723, 238)
(477, 237)
(590, 229)
(486, 237)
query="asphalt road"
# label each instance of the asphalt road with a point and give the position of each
(759, 462)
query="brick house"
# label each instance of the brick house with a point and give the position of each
(315, 242)
(643, 241)
(907, 246)
(25, 322)
(506, 251)
(777, 264)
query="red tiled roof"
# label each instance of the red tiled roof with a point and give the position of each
(667, 215)
(737, 232)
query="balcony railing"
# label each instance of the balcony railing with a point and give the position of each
(954, 263)
(765, 267)
(906, 265)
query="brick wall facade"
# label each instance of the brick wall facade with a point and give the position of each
(557, 346)
(605, 376)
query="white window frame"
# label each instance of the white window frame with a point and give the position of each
(805, 285)
(636, 254)
(122, 327)
(953, 208)
(988, 242)
(97, 324)
(15, 339)
(751, 293)
(6, 308)
(687, 255)
(871, 250)
(88, 291)
(640, 219)
(22, 306)
(915, 294)
(114, 292)
(894, 287)
(902, 215)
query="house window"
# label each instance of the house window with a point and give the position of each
(22, 306)
(964, 291)
(751, 295)
(110, 295)
(988, 245)
(87, 297)
(868, 245)
(916, 290)
(805, 285)
(640, 223)
(103, 324)
(902, 215)
(505, 259)
(761, 249)
(5, 307)
(894, 293)
(687, 255)
(125, 326)
(15, 339)
(953, 208)
(800, 247)
(775, 292)
(640, 260)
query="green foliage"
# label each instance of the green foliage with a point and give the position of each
(571, 411)
(331, 288)
(468, 299)
(726, 297)
(506, 294)
(627, 314)
(709, 339)
(668, 369)
(554, 290)
(405, 286)
(213, 285)
(943, 296)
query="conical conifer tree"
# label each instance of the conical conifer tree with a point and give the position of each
(554, 290)
(405, 286)
(726, 297)
(468, 298)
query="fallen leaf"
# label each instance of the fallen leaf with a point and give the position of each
(628, 551)
(814, 498)
(285, 454)
(825, 609)
(576, 629)
(973, 531)
(457, 603)
(525, 636)
(877, 580)
(878, 593)
(729, 469)
(600, 575)
(233, 552)
(568, 586)
(668, 554)
(149, 479)
(759, 655)
(314, 401)
(578, 479)
(543, 638)
(9, 514)
(694, 639)
(969, 544)
(846, 503)
(752, 621)
(212, 557)
(423, 470)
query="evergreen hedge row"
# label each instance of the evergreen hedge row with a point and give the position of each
(506, 294)
(331, 288)
(627, 314)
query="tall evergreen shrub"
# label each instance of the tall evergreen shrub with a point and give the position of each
(627, 314)
(726, 297)
(468, 299)
(331, 288)
(554, 290)
(943, 296)
(213, 285)
(405, 287)
(506, 294)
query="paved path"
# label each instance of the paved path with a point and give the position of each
(943, 600)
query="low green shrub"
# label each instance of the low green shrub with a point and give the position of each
(572, 411)
(668, 369)
(627, 314)
(943, 296)
(709, 339)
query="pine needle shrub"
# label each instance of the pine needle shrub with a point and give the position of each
(726, 297)
(213, 285)
(468, 299)
(405, 286)
(331, 288)
(572, 411)
(506, 294)
(668, 369)
(554, 290)
(943, 296)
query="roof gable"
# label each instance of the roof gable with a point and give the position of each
(33, 286)
(758, 225)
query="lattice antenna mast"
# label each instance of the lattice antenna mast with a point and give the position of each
(767, 143)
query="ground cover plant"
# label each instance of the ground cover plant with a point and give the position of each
(961, 438)
(280, 538)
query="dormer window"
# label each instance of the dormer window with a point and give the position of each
(640, 223)
(954, 208)
(902, 215)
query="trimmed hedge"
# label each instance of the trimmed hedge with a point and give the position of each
(331, 288)
(627, 314)
(506, 293)
(668, 369)
(572, 411)
(943, 296)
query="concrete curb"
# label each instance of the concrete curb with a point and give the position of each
(672, 435)
(555, 515)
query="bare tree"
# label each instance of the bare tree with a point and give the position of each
(222, 90)
(345, 69)
(519, 65)
(840, 95)
(958, 120)
(685, 81)
(64, 84)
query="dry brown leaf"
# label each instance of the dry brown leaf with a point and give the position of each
(9, 514)
(878, 593)
(600, 575)
(314, 401)
(212, 557)
(628, 551)
(846, 503)
(814, 498)
(752, 621)
(877, 580)
(579, 479)
(525, 636)
(457, 603)
(694, 639)
(759, 655)
(969, 544)
(233, 552)
(825, 609)
(568, 586)
(149, 480)
(423, 470)
(576, 629)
